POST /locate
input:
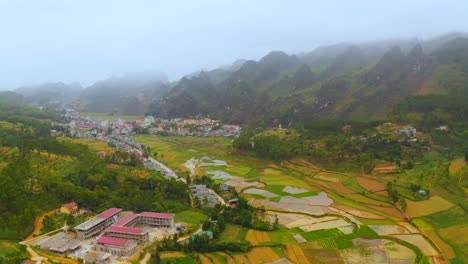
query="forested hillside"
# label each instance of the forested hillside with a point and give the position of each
(39, 173)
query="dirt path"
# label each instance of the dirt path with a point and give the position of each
(38, 224)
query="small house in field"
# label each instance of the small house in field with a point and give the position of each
(233, 202)
(69, 208)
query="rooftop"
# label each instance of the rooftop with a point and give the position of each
(120, 242)
(157, 215)
(109, 212)
(125, 220)
(126, 230)
(90, 223)
(70, 205)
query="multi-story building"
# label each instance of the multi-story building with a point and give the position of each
(132, 228)
(97, 224)
(116, 246)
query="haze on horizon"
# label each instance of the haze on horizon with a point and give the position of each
(85, 41)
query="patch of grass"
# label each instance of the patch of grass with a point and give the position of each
(276, 189)
(306, 194)
(319, 234)
(190, 216)
(367, 232)
(343, 243)
(275, 199)
(283, 236)
(296, 230)
(421, 223)
(327, 243)
(233, 233)
(447, 218)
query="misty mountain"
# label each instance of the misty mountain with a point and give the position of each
(130, 94)
(349, 81)
(11, 97)
(50, 93)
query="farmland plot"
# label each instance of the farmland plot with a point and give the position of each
(325, 225)
(261, 192)
(397, 252)
(420, 242)
(295, 254)
(294, 190)
(433, 205)
(384, 230)
(256, 237)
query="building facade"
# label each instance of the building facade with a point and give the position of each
(97, 224)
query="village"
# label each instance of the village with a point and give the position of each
(82, 126)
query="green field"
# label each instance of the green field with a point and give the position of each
(233, 233)
(190, 216)
(319, 234)
(367, 232)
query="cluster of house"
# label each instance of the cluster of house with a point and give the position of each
(204, 195)
(86, 127)
(114, 235)
(202, 127)
(408, 131)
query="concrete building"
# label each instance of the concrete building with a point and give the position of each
(98, 224)
(116, 246)
(157, 219)
(132, 233)
(60, 243)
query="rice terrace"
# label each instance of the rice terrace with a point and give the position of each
(348, 215)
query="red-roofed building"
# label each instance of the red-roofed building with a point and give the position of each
(129, 220)
(128, 233)
(69, 208)
(97, 224)
(116, 246)
(109, 213)
(157, 219)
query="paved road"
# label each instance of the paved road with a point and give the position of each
(167, 170)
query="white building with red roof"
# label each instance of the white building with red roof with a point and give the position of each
(97, 224)
(116, 246)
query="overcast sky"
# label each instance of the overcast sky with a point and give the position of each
(45, 40)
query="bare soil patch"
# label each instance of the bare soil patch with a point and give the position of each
(340, 188)
(370, 184)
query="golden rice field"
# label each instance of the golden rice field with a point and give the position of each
(256, 255)
(256, 237)
(295, 254)
(433, 205)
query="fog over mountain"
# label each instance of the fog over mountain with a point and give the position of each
(84, 41)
